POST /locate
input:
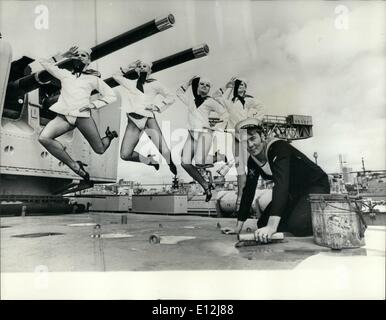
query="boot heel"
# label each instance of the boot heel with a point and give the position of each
(85, 174)
(208, 193)
(111, 134)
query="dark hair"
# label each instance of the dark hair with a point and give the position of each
(198, 99)
(257, 129)
(236, 87)
(195, 83)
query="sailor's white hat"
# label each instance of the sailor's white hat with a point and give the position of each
(248, 123)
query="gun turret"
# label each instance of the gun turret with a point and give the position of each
(34, 80)
(18, 88)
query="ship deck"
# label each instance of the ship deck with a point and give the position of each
(198, 261)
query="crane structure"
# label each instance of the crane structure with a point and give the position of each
(291, 127)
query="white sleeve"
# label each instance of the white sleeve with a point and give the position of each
(223, 97)
(182, 94)
(169, 98)
(215, 106)
(222, 112)
(106, 94)
(54, 70)
(124, 82)
(228, 93)
(218, 95)
(255, 109)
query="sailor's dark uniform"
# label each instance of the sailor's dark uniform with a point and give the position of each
(295, 177)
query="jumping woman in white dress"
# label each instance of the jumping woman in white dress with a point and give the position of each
(240, 106)
(141, 103)
(200, 136)
(73, 108)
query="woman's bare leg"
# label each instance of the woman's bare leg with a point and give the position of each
(186, 161)
(89, 130)
(129, 142)
(203, 145)
(159, 141)
(55, 128)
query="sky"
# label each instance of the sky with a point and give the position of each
(325, 59)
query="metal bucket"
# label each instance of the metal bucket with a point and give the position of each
(337, 221)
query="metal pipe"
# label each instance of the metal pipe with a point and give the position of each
(180, 57)
(132, 36)
(168, 62)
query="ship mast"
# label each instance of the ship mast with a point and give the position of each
(363, 166)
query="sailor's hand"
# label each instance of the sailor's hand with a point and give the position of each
(231, 83)
(87, 108)
(71, 53)
(189, 83)
(152, 107)
(227, 230)
(264, 234)
(134, 64)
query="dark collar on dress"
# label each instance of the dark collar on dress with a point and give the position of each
(236, 95)
(198, 100)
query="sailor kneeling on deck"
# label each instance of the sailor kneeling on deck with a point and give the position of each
(294, 176)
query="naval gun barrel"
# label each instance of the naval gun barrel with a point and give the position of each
(180, 57)
(154, 26)
(168, 62)
(132, 36)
